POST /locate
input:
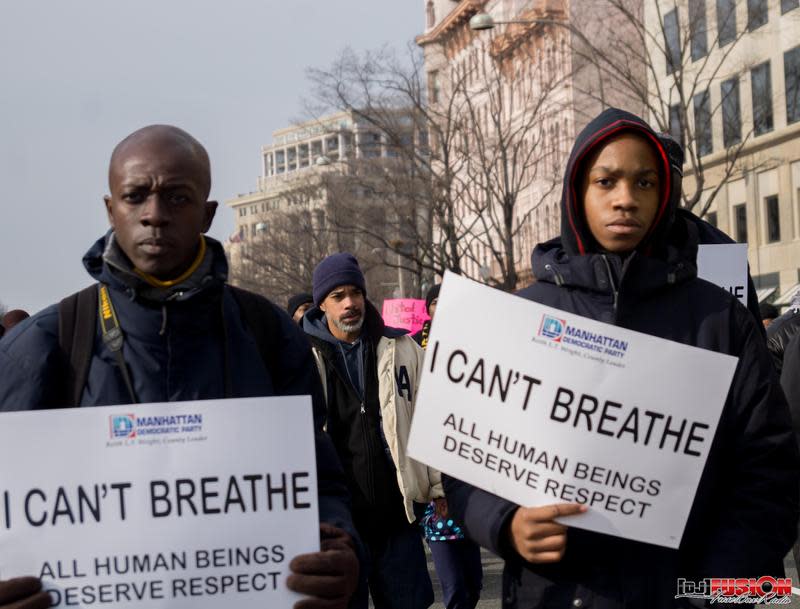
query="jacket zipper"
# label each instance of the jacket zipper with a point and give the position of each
(613, 285)
(364, 428)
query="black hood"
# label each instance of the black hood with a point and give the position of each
(576, 238)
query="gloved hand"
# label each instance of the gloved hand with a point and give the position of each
(23, 593)
(330, 576)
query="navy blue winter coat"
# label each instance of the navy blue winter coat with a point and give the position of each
(174, 351)
(744, 516)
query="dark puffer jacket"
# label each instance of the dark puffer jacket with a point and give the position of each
(175, 351)
(743, 519)
(781, 332)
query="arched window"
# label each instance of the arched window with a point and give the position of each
(431, 14)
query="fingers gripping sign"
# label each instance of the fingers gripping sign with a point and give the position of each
(330, 576)
(23, 593)
(536, 536)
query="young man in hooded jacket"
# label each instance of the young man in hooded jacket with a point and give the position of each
(626, 258)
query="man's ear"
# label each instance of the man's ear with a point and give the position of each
(322, 306)
(109, 213)
(210, 209)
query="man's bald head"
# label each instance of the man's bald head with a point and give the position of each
(158, 206)
(168, 138)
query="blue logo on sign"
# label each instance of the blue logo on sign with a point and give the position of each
(552, 328)
(123, 426)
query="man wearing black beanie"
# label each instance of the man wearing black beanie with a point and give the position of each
(370, 374)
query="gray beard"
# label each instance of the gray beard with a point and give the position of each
(348, 328)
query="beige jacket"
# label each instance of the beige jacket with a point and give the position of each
(417, 482)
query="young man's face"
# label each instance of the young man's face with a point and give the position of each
(621, 192)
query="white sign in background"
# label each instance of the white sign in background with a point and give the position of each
(203, 509)
(725, 265)
(540, 406)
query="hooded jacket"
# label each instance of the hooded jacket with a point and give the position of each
(744, 515)
(176, 350)
(370, 427)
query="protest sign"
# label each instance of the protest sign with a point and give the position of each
(724, 265)
(540, 406)
(189, 504)
(408, 313)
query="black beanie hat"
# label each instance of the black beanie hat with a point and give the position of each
(335, 270)
(296, 301)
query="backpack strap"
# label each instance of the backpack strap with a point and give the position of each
(260, 317)
(77, 322)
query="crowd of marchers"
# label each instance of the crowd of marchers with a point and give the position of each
(626, 255)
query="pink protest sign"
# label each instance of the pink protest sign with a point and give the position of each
(408, 313)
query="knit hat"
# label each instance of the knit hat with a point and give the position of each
(432, 293)
(333, 271)
(296, 301)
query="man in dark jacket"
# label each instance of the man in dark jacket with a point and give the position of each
(370, 374)
(184, 336)
(626, 258)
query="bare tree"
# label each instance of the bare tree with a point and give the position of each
(664, 59)
(305, 226)
(466, 161)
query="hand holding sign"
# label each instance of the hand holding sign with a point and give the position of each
(23, 593)
(536, 536)
(330, 576)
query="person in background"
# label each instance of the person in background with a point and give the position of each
(431, 298)
(769, 312)
(298, 305)
(456, 558)
(12, 318)
(782, 330)
(370, 375)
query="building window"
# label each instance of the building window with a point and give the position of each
(757, 14)
(433, 86)
(789, 5)
(702, 123)
(791, 79)
(773, 219)
(676, 123)
(762, 99)
(726, 21)
(672, 40)
(740, 222)
(711, 218)
(731, 112)
(697, 28)
(431, 13)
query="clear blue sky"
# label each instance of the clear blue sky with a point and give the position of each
(77, 76)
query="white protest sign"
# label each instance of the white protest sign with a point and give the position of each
(540, 406)
(725, 265)
(189, 504)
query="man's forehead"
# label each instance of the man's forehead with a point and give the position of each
(344, 288)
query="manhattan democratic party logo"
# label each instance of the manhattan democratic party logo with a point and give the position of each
(123, 426)
(559, 331)
(552, 328)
